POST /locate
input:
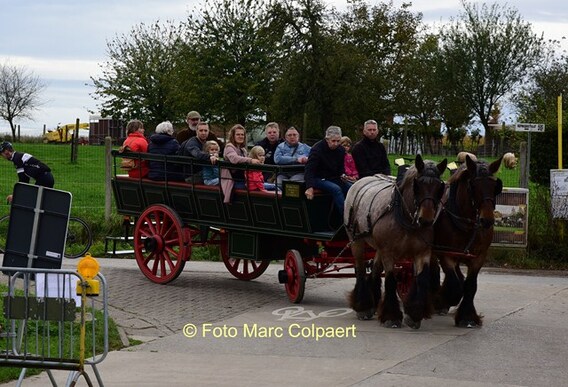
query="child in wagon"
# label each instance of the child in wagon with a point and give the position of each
(211, 172)
(351, 173)
(255, 179)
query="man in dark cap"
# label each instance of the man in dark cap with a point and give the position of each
(27, 166)
(193, 119)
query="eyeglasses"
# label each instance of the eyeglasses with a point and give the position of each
(194, 119)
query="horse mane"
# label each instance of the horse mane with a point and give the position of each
(482, 170)
(430, 170)
(409, 176)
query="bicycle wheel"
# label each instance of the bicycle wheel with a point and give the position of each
(3, 232)
(79, 238)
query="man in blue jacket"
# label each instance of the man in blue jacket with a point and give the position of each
(291, 152)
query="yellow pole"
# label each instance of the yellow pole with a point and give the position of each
(560, 131)
(561, 223)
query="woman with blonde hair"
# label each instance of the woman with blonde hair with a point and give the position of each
(235, 152)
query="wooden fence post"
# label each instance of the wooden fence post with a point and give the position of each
(524, 165)
(108, 166)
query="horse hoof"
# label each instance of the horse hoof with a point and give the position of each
(365, 315)
(467, 324)
(411, 323)
(392, 324)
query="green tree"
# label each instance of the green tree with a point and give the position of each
(537, 102)
(229, 60)
(20, 92)
(305, 93)
(385, 40)
(492, 49)
(138, 78)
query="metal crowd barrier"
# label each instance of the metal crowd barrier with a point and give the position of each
(46, 325)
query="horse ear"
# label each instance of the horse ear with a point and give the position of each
(418, 162)
(442, 166)
(471, 166)
(498, 187)
(494, 166)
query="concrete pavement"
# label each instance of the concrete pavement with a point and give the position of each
(246, 333)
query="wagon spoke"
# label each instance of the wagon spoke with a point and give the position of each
(156, 262)
(163, 258)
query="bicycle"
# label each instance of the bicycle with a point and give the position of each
(79, 236)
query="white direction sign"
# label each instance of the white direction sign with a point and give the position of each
(522, 127)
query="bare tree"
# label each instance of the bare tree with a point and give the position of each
(20, 90)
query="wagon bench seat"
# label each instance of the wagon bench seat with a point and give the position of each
(204, 186)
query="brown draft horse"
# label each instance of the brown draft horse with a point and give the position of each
(462, 234)
(395, 220)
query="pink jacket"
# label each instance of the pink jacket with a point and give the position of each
(350, 168)
(236, 156)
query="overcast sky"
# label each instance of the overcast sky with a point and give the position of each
(63, 41)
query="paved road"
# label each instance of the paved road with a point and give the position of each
(248, 333)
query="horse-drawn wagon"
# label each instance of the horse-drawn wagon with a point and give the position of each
(172, 217)
(256, 228)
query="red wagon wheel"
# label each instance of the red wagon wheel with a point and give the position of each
(295, 276)
(161, 244)
(243, 269)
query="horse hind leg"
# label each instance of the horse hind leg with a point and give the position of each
(417, 305)
(367, 292)
(466, 315)
(389, 309)
(365, 297)
(451, 291)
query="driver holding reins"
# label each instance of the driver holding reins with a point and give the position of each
(27, 166)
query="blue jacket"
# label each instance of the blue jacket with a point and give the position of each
(286, 154)
(163, 144)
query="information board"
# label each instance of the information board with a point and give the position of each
(511, 218)
(559, 193)
(37, 228)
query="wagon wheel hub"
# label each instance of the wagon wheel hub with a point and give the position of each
(155, 244)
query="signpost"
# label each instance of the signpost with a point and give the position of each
(525, 127)
(522, 127)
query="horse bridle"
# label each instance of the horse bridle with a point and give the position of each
(486, 196)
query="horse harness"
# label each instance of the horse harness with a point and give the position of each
(402, 212)
(464, 224)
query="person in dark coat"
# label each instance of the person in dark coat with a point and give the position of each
(269, 144)
(369, 154)
(27, 166)
(193, 119)
(162, 142)
(325, 168)
(194, 148)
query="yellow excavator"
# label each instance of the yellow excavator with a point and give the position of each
(64, 133)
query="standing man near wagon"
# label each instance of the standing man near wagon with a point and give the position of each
(27, 166)
(369, 154)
